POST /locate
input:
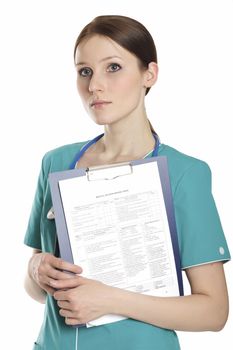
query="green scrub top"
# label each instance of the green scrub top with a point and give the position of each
(200, 235)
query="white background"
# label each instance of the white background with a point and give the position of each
(190, 107)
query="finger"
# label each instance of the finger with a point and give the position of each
(64, 304)
(59, 275)
(72, 321)
(67, 283)
(66, 266)
(66, 313)
(45, 279)
(60, 295)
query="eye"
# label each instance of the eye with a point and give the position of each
(113, 67)
(85, 72)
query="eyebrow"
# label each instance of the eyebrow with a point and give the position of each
(102, 60)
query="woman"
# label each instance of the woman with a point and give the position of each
(116, 64)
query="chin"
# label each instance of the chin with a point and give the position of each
(102, 120)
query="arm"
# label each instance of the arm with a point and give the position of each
(31, 287)
(42, 269)
(205, 309)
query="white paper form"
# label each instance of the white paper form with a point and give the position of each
(119, 232)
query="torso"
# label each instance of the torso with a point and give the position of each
(127, 334)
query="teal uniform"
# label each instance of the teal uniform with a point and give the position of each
(200, 235)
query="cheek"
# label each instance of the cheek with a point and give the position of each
(79, 85)
(127, 85)
(82, 89)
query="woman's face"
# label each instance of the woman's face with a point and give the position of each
(110, 82)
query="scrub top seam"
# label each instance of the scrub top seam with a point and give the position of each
(206, 263)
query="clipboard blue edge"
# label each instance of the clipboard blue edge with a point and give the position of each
(168, 200)
(60, 221)
(62, 232)
(166, 187)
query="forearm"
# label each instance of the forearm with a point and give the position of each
(30, 285)
(34, 290)
(188, 313)
(44, 269)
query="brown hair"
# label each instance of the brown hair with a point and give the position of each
(125, 31)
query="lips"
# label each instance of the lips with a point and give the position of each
(99, 103)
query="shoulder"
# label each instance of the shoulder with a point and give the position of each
(61, 157)
(184, 168)
(178, 158)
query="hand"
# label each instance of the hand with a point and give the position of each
(83, 299)
(44, 268)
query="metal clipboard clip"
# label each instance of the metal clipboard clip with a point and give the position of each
(109, 172)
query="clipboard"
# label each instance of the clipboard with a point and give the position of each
(108, 174)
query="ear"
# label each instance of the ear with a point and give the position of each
(151, 74)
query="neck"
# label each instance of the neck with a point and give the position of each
(128, 138)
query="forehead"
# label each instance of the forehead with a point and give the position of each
(99, 47)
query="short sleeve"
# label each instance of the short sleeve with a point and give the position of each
(33, 234)
(199, 229)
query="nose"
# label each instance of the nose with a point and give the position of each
(96, 83)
